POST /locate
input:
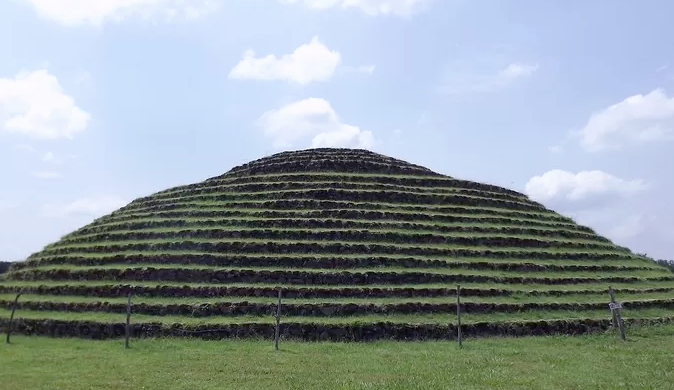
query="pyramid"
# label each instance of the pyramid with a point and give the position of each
(359, 245)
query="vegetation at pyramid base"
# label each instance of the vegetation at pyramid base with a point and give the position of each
(667, 263)
(361, 246)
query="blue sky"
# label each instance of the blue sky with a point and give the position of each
(105, 101)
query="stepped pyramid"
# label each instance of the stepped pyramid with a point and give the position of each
(362, 246)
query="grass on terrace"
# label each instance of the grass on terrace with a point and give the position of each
(470, 263)
(515, 299)
(504, 286)
(380, 205)
(655, 272)
(376, 244)
(189, 197)
(430, 208)
(344, 179)
(298, 213)
(626, 261)
(240, 222)
(599, 288)
(645, 361)
(281, 186)
(196, 230)
(440, 318)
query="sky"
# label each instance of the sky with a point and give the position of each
(570, 102)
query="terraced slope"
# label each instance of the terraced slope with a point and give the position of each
(363, 246)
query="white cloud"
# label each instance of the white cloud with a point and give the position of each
(558, 184)
(312, 61)
(96, 12)
(56, 159)
(367, 69)
(35, 105)
(46, 174)
(556, 149)
(26, 148)
(628, 227)
(370, 7)
(425, 118)
(668, 231)
(516, 70)
(49, 156)
(83, 78)
(469, 78)
(94, 207)
(312, 118)
(12, 253)
(639, 118)
(615, 222)
(6, 206)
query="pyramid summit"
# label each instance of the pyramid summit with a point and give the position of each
(361, 245)
(329, 159)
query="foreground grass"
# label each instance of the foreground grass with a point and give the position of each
(645, 361)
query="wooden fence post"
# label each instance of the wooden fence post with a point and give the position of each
(615, 311)
(277, 331)
(458, 314)
(127, 331)
(11, 317)
(612, 297)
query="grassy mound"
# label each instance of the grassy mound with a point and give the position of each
(363, 247)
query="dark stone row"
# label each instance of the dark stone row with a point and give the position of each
(417, 182)
(193, 275)
(345, 155)
(302, 223)
(348, 154)
(294, 184)
(345, 236)
(281, 248)
(318, 263)
(346, 210)
(233, 309)
(326, 153)
(349, 196)
(360, 332)
(330, 165)
(123, 290)
(310, 158)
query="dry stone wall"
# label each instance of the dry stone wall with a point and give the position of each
(320, 332)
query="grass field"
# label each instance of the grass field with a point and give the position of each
(349, 236)
(644, 361)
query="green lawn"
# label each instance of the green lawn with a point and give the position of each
(645, 361)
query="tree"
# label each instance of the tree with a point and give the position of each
(667, 263)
